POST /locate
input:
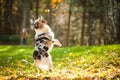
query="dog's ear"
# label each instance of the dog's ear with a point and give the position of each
(43, 21)
(41, 18)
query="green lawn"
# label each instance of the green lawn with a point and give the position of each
(74, 63)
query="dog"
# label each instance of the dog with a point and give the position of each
(44, 42)
(41, 55)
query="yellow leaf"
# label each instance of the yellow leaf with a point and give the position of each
(59, 1)
(31, 75)
(56, 2)
(54, 14)
(47, 10)
(63, 12)
(102, 74)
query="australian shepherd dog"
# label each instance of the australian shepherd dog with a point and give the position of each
(44, 42)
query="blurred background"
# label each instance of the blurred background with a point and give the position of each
(74, 22)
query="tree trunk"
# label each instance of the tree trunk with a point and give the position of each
(69, 20)
(1, 27)
(118, 22)
(24, 13)
(37, 7)
(91, 30)
(83, 23)
(8, 17)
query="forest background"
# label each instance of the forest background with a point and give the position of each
(74, 22)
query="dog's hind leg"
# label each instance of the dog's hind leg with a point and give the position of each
(37, 63)
(50, 67)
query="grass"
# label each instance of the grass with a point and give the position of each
(74, 63)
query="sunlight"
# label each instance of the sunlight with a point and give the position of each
(4, 48)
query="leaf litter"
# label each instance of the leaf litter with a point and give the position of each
(73, 66)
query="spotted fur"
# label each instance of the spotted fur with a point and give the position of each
(41, 51)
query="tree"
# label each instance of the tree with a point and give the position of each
(69, 20)
(24, 13)
(8, 16)
(37, 8)
(83, 22)
(1, 17)
(118, 21)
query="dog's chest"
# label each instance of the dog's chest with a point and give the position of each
(40, 31)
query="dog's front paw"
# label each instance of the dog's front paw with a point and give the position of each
(56, 42)
(59, 45)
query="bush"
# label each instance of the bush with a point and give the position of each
(9, 39)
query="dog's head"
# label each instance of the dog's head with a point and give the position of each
(39, 22)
